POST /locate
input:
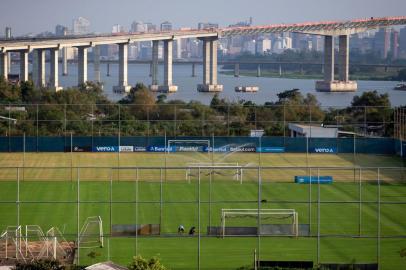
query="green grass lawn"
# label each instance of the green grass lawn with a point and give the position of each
(49, 198)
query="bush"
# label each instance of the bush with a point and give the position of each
(39, 265)
(140, 263)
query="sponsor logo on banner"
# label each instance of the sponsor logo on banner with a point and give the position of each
(243, 149)
(126, 148)
(323, 150)
(154, 148)
(78, 149)
(189, 149)
(222, 149)
(105, 149)
(140, 149)
(271, 149)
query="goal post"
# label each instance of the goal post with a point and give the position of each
(221, 168)
(91, 234)
(286, 217)
(188, 146)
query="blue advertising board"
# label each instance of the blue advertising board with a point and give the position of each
(105, 149)
(271, 149)
(306, 179)
(323, 150)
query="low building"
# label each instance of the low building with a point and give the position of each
(312, 131)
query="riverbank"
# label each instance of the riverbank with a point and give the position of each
(310, 76)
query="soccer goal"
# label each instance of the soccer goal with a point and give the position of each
(227, 169)
(91, 234)
(273, 221)
(188, 146)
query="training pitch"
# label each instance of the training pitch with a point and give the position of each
(348, 214)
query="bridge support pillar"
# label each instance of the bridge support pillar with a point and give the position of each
(154, 66)
(329, 84)
(193, 70)
(122, 86)
(65, 61)
(24, 66)
(237, 70)
(210, 67)
(4, 65)
(82, 65)
(54, 79)
(38, 71)
(96, 63)
(168, 87)
(259, 70)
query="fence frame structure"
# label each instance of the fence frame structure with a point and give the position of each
(311, 202)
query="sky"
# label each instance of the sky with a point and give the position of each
(35, 16)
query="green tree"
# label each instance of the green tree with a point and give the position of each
(140, 263)
(39, 265)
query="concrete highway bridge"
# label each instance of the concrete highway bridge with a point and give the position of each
(329, 29)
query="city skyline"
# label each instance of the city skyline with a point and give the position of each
(185, 13)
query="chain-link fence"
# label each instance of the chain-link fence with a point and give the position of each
(355, 216)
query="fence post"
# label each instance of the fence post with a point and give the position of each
(378, 247)
(199, 225)
(318, 215)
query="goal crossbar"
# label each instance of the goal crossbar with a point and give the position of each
(212, 166)
(234, 213)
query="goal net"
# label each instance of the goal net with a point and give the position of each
(271, 221)
(91, 234)
(224, 170)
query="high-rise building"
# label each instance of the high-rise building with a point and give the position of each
(166, 26)
(149, 27)
(382, 42)
(118, 29)
(264, 46)
(207, 25)
(61, 30)
(81, 26)
(7, 33)
(395, 45)
(317, 43)
(402, 40)
(137, 27)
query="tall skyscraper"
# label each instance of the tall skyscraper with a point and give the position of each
(382, 42)
(61, 30)
(207, 25)
(166, 26)
(402, 40)
(7, 33)
(395, 45)
(138, 26)
(81, 26)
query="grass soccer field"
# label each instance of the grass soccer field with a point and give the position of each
(349, 213)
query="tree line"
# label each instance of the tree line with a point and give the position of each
(86, 111)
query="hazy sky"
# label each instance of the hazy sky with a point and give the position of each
(25, 16)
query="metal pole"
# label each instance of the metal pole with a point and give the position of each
(258, 215)
(78, 215)
(18, 197)
(310, 201)
(199, 225)
(111, 202)
(160, 199)
(210, 179)
(38, 128)
(71, 157)
(378, 248)
(23, 156)
(136, 212)
(318, 215)
(360, 204)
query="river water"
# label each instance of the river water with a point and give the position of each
(268, 87)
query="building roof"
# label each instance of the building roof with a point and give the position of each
(106, 266)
